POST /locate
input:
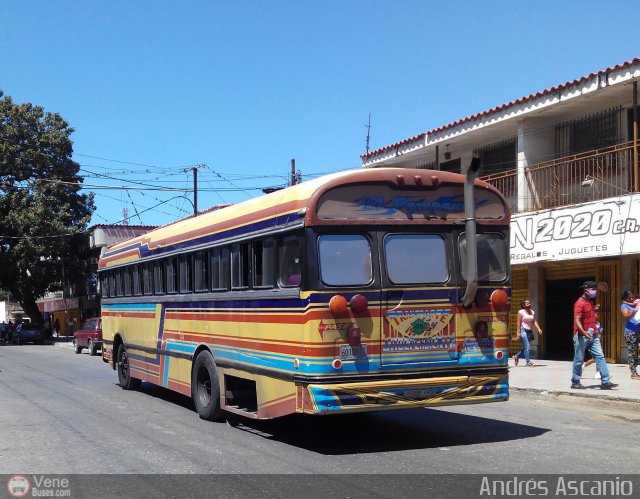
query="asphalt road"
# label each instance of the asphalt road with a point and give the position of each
(64, 413)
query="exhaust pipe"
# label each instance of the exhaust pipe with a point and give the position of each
(470, 232)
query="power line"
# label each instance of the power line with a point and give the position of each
(145, 195)
(229, 181)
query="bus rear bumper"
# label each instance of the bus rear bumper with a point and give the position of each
(328, 398)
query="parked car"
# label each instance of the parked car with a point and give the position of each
(29, 333)
(89, 336)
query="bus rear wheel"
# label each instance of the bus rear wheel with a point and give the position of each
(205, 389)
(127, 382)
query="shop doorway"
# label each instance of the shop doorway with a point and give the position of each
(560, 295)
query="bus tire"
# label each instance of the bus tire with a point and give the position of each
(127, 382)
(205, 388)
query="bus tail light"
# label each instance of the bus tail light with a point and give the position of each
(359, 303)
(499, 299)
(338, 304)
(481, 329)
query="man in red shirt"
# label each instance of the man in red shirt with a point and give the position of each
(587, 336)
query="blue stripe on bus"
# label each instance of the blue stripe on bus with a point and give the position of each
(135, 306)
(211, 238)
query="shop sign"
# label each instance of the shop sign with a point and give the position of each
(64, 304)
(604, 228)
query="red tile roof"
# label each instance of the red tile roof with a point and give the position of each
(502, 107)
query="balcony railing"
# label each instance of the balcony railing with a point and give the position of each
(579, 178)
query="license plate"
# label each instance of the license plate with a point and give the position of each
(420, 394)
(348, 352)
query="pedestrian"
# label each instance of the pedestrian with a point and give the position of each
(629, 309)
(10, 330)
(524, 330)
(586, 336)
(3, 331)
(591, 360)
(56, 327)
(48, 327)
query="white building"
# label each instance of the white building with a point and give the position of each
(10, 311)
(566, 158)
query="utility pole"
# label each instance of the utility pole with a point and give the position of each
(194, 169)
(195, 191)
(296, 176)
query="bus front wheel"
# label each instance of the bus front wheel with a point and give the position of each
(127, 382)
(205, 389)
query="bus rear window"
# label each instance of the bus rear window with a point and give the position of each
(492, 257)
(415, 258)
(345, 260)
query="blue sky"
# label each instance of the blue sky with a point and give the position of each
(154, 87)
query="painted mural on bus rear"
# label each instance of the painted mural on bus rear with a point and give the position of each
(365, 290)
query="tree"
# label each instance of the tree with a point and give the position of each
(43, 215)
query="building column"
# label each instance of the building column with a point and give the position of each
(534, 289)
(523, 187)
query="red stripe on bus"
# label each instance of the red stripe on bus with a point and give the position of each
(130, 315)
(118, 256)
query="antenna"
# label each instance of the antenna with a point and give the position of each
(368, 127)
(125, 216)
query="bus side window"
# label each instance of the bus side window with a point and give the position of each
(112, 284)
(185, 273)
(171, 274)
(158, 274)
(263, 263)
(289, 267)
(147, 278)
(201, 271)
(137, 288)
(220, 269)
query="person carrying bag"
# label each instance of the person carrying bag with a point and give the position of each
(524, 331)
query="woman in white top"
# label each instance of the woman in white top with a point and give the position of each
(526, 321)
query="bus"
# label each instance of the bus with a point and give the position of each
(364, 290)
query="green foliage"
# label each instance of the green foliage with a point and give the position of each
(43, 214)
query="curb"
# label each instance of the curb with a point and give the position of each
(596, 400)
(63, 344)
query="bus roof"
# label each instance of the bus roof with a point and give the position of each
(364, 196)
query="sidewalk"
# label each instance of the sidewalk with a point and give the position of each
(553, 377)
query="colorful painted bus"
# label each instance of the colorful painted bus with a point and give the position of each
(363, 290)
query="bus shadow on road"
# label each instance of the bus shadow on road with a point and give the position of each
(369, 432)
(387, 431)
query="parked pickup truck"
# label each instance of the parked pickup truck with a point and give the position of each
(89, 336)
